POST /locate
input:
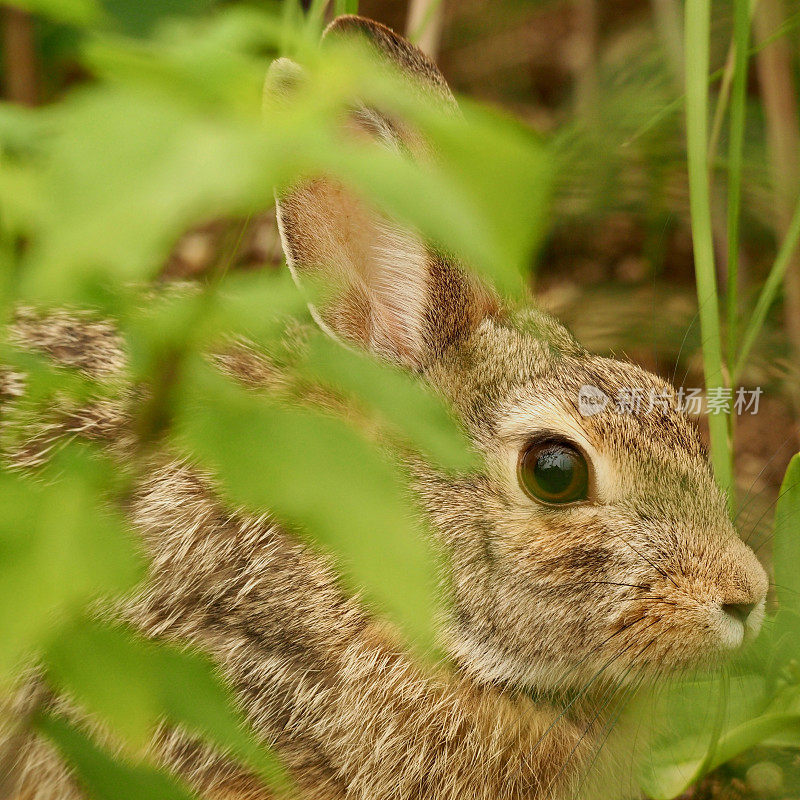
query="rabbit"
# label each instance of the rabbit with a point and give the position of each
(591, 554)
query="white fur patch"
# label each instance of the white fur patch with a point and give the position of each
(397, 290)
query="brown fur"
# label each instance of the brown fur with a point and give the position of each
(558, 613)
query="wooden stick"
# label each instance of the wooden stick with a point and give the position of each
(779, 97)
(20, 69)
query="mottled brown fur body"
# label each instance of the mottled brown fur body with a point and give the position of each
(626, 586)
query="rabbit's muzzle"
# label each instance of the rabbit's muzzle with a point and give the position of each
(719, 599)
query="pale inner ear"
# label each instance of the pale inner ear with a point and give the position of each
(379, 271)
(399, 294)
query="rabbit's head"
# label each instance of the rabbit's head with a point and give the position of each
(595, 544)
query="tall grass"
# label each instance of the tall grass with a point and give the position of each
(698, 28)
(724, 360)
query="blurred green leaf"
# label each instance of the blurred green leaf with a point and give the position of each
(116, 681)
(21, 198)
(481, 196)
(683, 742)
(506, 171)
(786, 541)
(490, 175)
(73, 12)
(137, 18)
(172, 136)
(238, 28)
(257, 305)
(128, 172)
(424, 197)
(197, 75)
(134, 683)
(254, 305)
(20, 127)
(316, 472)
(106, 776)
(21, 135)
(401, 399)
(59, 547)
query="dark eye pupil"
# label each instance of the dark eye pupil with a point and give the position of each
(554, 473)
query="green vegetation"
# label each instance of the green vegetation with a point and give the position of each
(166, 131)
(758, 699)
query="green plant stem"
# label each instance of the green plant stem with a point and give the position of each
(722, 104)
(697, 26)
(741, 37)
(345, 7)
(751, 733)
(770, 290)
(20, 64)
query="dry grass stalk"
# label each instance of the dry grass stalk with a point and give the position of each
(20, 69)
(424, 25)
(779, 96)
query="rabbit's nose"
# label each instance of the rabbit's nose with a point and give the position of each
(739, 611)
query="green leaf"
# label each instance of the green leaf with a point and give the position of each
(127, 173)
(255, 305)
(427, 199)
(786, 541)
(497, 171)
(505, 171)
(482, 198)
(135, 18)
(73, 12)
(134, 683)
(671, 776)
(315, 472)
(107, 777)
(59, 547)
(195, 696)
(688, 743)
(402, 400)
(20, 127)
(197, 74)
(111, 674)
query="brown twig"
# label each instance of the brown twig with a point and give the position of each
(667, 16)
(779, 97)
(20, 68)
(586, 83)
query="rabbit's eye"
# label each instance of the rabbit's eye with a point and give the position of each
(554, 473)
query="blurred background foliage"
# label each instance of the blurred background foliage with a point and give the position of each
(133, 150)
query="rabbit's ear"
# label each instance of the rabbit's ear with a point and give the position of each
(394, 295)
(398, 52)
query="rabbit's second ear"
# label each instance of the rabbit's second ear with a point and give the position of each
(394, 295)
(391, 294)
